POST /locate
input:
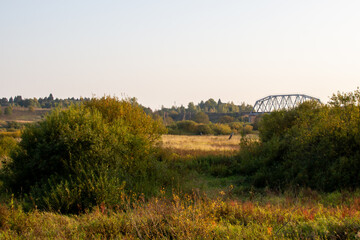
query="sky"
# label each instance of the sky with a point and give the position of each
(168, 53)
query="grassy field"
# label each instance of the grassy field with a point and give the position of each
(185, 145)
(205, 143)
(24, 115)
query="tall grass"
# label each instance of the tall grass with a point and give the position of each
(190, 216)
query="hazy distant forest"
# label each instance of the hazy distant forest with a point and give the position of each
(108, 168)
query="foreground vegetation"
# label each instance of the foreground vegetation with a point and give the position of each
(313, 145)
(96, 171)
(193, 216)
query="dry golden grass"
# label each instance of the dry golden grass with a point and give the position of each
(21, 114)
(202, 143)
(191, 145)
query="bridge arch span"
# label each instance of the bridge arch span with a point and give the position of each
(279, 102)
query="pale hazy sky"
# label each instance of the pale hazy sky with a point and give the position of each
(163, 52)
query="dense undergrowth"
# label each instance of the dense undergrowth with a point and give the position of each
(189, 127)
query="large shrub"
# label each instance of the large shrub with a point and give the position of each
(204, 129)
(226, 119)
(83, 156)
(184, 127)
(236, 126)
(313, 145)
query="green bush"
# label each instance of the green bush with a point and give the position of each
(236, 127)
(226, 119)
(204, 129)
(7, 144)
(248, 129)
(313, 145)
(201, 117)
(8, 110)
(221, 129)
(80, 157)
(185, 127)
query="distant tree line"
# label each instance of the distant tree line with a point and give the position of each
(46, 102)
(209, 106)
(205, 113)
(208, 117)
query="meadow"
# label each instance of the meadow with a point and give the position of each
(23, 115)
(196, 212)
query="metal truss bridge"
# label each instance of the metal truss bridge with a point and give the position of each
(279, 102)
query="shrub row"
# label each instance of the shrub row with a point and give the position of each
(188, 127)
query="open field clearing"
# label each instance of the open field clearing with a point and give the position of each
(207, 143)
(202, 145)
(190, 146)
(24, 115)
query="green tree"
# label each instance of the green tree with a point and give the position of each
(202, 117)
(168, 121)
(222, 108)
(226, 119)
(191, 108)
(8, 110)
(210, 105)
(204, 129)
(51, 97)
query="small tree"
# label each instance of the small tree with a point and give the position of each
(236, 126)
(248, 129)
(8, 110)
(204, 129)
(202, 117)
(226, 119)
(221, 129)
